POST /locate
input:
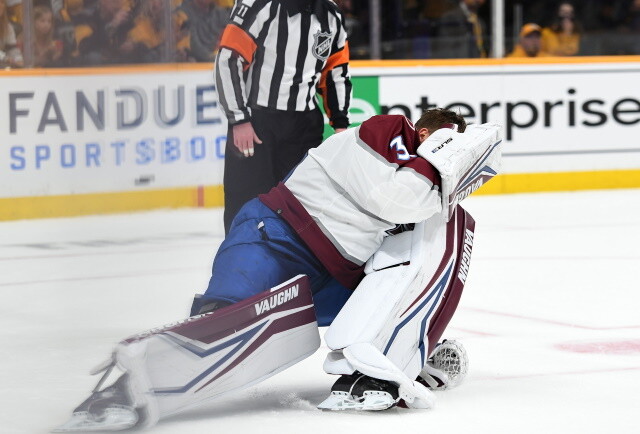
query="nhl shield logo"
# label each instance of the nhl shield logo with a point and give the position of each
(321, 45)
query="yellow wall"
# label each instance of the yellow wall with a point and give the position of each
(213, 196)
(561, 181)
(109, 203)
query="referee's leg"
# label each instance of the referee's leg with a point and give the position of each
(300, 132)
(245, 177)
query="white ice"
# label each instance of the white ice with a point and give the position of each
(550, 318)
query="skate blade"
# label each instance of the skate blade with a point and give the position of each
(339, 401)
(376, 401)
(371, 401)
(113, 419)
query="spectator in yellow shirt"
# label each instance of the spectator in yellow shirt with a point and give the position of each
(529, 44)
(562, 38)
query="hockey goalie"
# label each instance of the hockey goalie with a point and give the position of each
(365, 236)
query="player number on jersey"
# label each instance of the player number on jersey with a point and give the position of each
(240, 11)
(401, 149)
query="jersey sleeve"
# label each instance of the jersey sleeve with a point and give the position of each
(335, 79)
(236, 53)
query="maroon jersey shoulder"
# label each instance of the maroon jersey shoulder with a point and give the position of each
(392, 136)
(395, 138)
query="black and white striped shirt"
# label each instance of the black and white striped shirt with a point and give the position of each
(278, 53)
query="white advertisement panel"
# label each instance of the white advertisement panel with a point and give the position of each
(90, 133)
(566, 117)
(78, 131)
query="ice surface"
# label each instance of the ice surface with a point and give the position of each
(550, 318)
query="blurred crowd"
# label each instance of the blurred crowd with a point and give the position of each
(68, 33)
(418, 29)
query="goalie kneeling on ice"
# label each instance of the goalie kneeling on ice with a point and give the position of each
(203, 365)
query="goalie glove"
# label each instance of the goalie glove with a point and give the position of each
(447, 366)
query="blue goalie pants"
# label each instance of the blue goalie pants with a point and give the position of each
(260, 252)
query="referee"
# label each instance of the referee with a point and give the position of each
(274, 56)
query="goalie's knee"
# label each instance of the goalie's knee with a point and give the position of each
(202, 305)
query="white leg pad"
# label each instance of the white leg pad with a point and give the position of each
(337, 364)
(375, 310)
(408, 296)
(206, 356)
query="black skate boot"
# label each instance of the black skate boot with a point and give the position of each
(360, 392)
(109, 409)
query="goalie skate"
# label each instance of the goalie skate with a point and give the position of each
(122, 405)
(359, 392)
(109, 409)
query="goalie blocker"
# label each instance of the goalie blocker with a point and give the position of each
(171, 368)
